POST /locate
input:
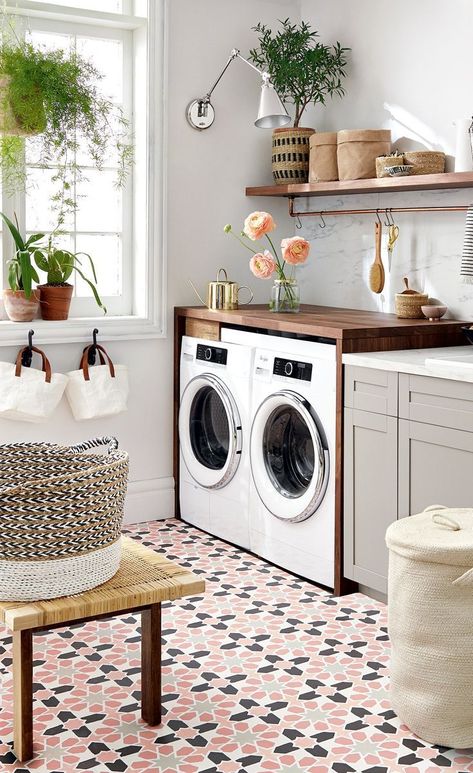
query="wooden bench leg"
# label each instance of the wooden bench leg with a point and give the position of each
(151, 665)
(23, 694)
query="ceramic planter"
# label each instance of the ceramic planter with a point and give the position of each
(19, 308)
(55, 301)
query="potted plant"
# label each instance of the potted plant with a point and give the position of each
(54, 95)
(56, 292)
(21, 300)
(304, 71)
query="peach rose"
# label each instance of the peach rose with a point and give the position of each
(262, 264)
(295, 250)
(258, 224)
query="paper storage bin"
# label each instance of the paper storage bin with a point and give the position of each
(357, 152)
(323, 166)
(430, 612)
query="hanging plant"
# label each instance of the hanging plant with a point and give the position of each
(53, 96)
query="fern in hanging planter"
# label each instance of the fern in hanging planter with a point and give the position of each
(53, 98)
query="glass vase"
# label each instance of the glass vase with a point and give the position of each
(285, 296)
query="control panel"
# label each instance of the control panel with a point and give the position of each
(212, 354)
(292, 369)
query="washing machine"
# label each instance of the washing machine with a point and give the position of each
(214, 431)
(292, 452)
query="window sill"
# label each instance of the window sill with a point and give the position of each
(79, 329)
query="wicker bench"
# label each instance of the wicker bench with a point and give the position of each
(144, 580)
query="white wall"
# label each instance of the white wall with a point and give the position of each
(408, 67)
(207, 176)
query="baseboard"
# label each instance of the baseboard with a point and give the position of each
(149, 500)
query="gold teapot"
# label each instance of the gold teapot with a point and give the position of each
(222, 295)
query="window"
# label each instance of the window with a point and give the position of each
(124, 40)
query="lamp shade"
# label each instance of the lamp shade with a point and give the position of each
(271, 113)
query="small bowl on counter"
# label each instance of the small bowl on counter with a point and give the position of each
(434, 311)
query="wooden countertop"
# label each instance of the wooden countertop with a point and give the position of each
(325, 321)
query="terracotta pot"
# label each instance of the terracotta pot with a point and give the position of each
(19, 308)
(55, 301)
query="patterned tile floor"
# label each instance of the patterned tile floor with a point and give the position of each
(265, 674)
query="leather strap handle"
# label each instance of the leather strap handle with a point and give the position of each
(46, 365)
(84, 364)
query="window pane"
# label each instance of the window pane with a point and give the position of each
(40, 215)
(107, 56)
(106, 6)
(99, 202)
(106, 252)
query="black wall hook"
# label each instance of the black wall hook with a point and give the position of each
(28, 353)
(93, 349)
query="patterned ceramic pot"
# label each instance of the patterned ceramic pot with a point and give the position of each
(19, 308)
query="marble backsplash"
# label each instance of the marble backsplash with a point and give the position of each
(428, 251)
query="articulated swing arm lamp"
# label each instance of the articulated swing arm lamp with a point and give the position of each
(271, 113)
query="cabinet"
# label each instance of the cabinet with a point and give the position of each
(408, 444)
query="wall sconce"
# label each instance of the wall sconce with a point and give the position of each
(271, 112)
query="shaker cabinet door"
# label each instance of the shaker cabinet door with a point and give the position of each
(435, 467)
(370, 495)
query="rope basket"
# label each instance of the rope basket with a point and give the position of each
(61, 513)
(290, 155)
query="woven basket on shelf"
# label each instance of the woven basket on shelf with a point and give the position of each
(425, 161)
(61, 514)
(409, 303)
(290, 155)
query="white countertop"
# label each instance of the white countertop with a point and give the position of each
(414, 361)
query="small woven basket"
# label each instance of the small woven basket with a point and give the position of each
(409, 303)
(384, 162)
(290, 155)
(61, 513)
(425, 161)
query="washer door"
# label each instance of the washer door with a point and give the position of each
(289, 456)
(209, 431)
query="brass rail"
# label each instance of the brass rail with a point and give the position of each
(322, 213)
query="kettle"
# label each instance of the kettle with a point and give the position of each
(222, 295)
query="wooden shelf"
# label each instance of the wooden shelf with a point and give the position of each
(421, 182)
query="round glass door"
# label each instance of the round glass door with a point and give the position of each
(209, 431)
(289, 456)
(288, 451)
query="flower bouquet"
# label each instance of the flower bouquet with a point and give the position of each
(266, 263)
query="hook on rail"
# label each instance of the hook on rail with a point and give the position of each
(28, 353)
(323, 223)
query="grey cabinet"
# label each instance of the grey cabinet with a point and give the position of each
(371, 476)
(408, 444)
(435, 467)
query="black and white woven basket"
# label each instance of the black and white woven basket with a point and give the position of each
(61, 513)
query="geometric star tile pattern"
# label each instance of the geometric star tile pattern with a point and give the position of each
(265, 673)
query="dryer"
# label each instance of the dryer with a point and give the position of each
(214, 430)
(292, 452)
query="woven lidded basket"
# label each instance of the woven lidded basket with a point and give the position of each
(61, 513)
(409, 303)
(290, 155)
(425, 161)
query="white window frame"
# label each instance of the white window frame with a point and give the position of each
(149, 228)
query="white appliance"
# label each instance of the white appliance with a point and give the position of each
(292, 452)
(214, 430)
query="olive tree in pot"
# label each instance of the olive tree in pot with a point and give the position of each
(304, 71)
(21, 300)
(56, 292)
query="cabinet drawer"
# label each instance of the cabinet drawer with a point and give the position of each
(436, 401)
(369, 389)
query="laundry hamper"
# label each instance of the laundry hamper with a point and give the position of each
(430, 624)
(61, 513)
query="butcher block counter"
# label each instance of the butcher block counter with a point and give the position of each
(351, 331)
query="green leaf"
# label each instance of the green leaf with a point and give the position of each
(17, 238)
(13, 278)
(93, 288)
(26, 272)
(34, 238)
(41, 260)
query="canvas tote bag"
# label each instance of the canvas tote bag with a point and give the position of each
(430, 613)
(27, 394)
(101, 390)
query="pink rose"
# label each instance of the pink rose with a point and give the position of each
(258, 224)
(262, 264)
(295, 250)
